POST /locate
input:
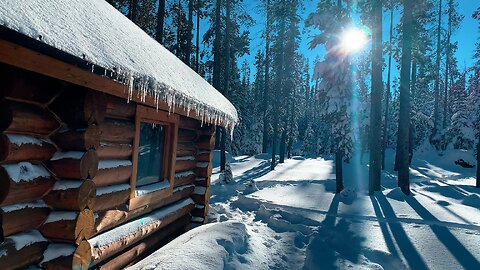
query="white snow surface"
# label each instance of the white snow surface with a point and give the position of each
(56, 251)
(69, 154)
(22, 240)
(200, 190)
(136, 225)
(67, 184)
(61, 215)
(20, 206)
(96, 32)
(144, 190)
(183, 174)
(20, 140)
(202, 164)
(185, 158)
(25, 171)
(291, 218)
(111, 189)
(180, 188)
(110, 164)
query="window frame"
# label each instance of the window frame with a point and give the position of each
(170, 121)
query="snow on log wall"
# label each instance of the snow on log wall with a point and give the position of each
(65, 179)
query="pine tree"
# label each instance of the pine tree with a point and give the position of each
(461, 133)
(308, 147)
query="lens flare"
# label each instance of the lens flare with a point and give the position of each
(354, 39)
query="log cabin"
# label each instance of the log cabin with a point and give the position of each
(106, 138)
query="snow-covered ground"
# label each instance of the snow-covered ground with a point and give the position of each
(291, 219)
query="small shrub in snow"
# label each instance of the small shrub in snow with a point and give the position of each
(226, 176)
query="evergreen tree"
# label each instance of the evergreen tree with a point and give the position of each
(461, 133)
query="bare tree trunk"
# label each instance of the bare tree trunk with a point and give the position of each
(404, 117)
(189, 30)
(375, 168)
(216, 60)
(283, 140)
(437, 72)
(267, 78)
(227, 77)
(160, 21)
(447, 70)
(339, 170)
(132, 10)
(197, 48)
(387, 97)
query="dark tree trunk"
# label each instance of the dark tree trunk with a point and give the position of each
(267, 78)
(197, 47)
(375, 168)
(227, 77)
(216, 61)
(283, 141)
(404, 117)
(437, 71)
(339, 170)
(189, 30)
(387, 97)
(414, 81)
(160, 21)
(132, 10)
(447, 70)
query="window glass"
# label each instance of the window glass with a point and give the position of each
(150, 154)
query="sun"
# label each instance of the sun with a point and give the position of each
(353, 40)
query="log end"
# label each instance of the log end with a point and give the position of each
(84, 226)
(92, 137)
(89, 164)
(87, 195)
(82, 256)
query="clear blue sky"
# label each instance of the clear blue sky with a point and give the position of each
(466, 35)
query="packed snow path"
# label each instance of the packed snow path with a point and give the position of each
(294, 220)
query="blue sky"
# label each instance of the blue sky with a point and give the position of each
(466, 35)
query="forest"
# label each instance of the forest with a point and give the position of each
(403, 89)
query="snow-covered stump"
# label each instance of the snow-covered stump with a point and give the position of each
(105, 220)
(111, 196)
(23, 217)
(16, 148)
(111, 172)
(23, 182)
(79, 107)
(147, 246)
(78, 139)
(29, 119)
(21, 250)
(66, 256)
(69, 227)
(115, 151)
(73, 195)
(74, 164)
(114, 241)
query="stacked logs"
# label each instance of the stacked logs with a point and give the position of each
(25, 126)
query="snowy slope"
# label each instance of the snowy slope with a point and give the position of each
(291, 219)
(96, 32)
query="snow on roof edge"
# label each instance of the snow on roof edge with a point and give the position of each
(99, 34)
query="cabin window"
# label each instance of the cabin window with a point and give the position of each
(153, 156)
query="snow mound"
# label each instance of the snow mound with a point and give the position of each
(397, 194)
(211, 246)
(472, 200)
(348, 195)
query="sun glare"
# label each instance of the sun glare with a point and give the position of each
(354, 39)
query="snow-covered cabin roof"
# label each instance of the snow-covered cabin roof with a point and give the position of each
(96, 32)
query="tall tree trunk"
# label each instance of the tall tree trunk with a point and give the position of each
(132, 10)
(404, 117)
(197, 46)
(160, 21)
(283, 141)
(387, 93)
(375, 168)
(437, 71)
(216, 61)
(414, 81)
(339, 170)
(447, 67)
(267, 79)
(226, 88)
(190, 34)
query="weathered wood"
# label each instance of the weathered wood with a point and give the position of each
(111, 172)
(80, 107)
(69, 227)
(186, 135)
(189, 123)
(205, 142)
(16, 148)
(117, 131)
(78, 140)
(200, 211)
(18, 84)
(185, 165)
(72, 195)
(23, 182)
(23, 118)
(115, 217)
(74, 165)
(201, 195)
(184, 178)
(186, 149)
(125, 236)
(114, 151)
(111, 196)
(26, 255)
(23, 217)
(78, 260)
(119, 108)
(204, 157)
(147, 246)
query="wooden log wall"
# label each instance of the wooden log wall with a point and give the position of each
(65, 180)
